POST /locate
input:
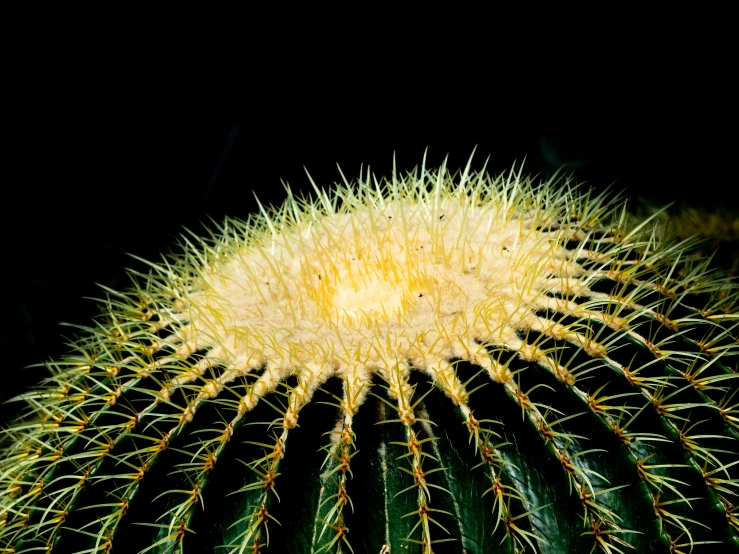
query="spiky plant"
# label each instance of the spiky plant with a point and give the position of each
(432, 363)
(718, 225)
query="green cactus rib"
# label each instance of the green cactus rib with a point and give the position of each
(433, 363)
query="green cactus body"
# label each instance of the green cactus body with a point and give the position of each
(433, 363)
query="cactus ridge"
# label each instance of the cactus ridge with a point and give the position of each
(431, 363)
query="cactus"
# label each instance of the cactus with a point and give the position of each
(431, 363)
(719, 225)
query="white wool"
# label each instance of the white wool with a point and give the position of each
(392, 279)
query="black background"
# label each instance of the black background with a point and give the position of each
(96, 168)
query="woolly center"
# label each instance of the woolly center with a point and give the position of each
(379, 287)
(374, 299)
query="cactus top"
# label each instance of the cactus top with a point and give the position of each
(381, 277)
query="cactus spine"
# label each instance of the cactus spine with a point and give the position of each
(431, 363)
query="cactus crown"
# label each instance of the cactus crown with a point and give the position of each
(499, 329)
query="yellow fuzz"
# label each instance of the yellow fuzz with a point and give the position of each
(383, 277)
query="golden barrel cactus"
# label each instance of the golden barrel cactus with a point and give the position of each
(433, 362)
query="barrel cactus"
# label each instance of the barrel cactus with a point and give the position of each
(433, 362)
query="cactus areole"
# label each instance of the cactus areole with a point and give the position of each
(433, 362)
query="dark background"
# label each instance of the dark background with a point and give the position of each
(92, 174)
